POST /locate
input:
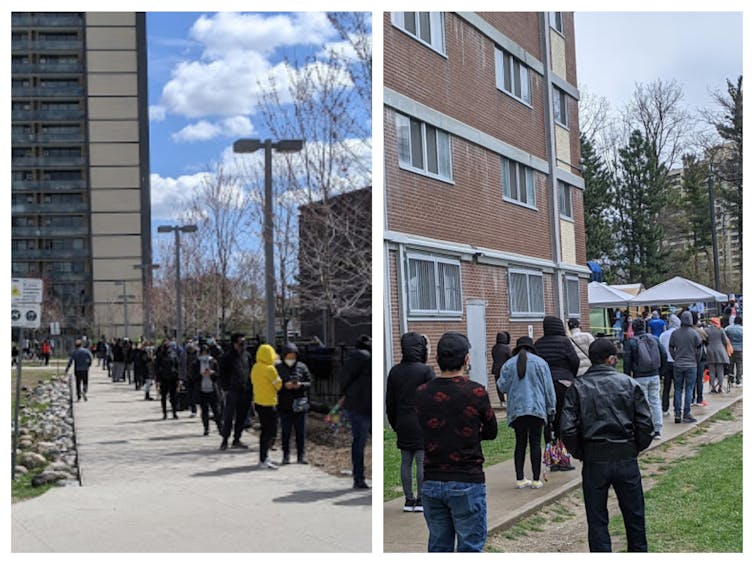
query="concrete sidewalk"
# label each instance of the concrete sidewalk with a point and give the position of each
(407, 532)
(150, 485)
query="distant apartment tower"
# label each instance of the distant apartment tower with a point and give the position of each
(80, 165)
(484, 227)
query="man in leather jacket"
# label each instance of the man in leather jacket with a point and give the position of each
(606, 422)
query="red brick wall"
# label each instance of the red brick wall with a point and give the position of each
(568, 31)
(521, 27)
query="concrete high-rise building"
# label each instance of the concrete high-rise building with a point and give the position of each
(484, 220)
(80, 166)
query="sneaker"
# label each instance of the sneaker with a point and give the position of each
(206, 432)
(84, 394)
(566, 467)
(360, 486)
(555, 468)
(175, 416)
(689, 419)
(666, 413)
(695, 404)
(239, 444)
(408, 505)
(536, 484)
(286, 460)
(268, 465)
(521, 484)
(78, 399)
(657, 436)
(224, 444)
(418, 507)
(192, 415)
(703, 403)
(302, 461)
(164, 416)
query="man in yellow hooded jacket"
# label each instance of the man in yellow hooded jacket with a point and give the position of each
(266, 382)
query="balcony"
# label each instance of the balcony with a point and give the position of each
(50, 231)
(49, 254)
(22, 45)
(48, 20)
(68, 276)
(36, 162)
(48, 185)
(47, 68)
(53, 138)
(34, 209)
(76, 91)
(47, 115)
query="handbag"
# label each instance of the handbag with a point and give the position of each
(301, 405)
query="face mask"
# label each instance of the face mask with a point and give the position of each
(290, 362)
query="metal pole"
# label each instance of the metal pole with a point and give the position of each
(713, 223)
(125, 310)
(269, 266)
(178, 308)
(18, 399)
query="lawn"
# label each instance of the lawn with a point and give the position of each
(496, 451)
(697, 505)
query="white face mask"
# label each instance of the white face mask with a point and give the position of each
(290, 362)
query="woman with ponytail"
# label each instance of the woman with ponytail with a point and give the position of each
(527, 383)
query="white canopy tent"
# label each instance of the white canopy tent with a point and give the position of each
(678, 290)
(602, 295)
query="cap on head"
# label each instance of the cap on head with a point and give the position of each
(600, 350)
(452, 350)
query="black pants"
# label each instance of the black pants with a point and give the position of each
(237, 405)
(193, 394)
(207, 401)
(296, 421)
(667, 383)
(82, 377)
(138, 376)
(168, 388)
(268, 418)
(560, 391)
(624, 477)
(528, 430)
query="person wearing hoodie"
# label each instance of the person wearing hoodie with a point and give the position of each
(557, 350)
(402, 381)
(685, 347)
(656, 325)
(527, 382)
(356, 399)
(235, 368)
(735, 334)
(266, 382)
(501, 352)
(581, 342)
(203, 372)
(717, 355)
(293, 401)
(667, 375)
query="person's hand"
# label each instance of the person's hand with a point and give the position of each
(288, 385)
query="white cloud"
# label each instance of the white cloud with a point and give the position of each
(171, 196)
(156, 113)
(204, 130)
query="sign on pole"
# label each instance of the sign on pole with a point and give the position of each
(26, 315)
(54, 328)
(26, 291)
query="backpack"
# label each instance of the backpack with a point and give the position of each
(649, 354)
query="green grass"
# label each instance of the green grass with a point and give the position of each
(22, 489)
(697, 505)
(495, 451)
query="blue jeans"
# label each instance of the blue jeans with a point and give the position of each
(651, 387)
(361, 426)
(624, 477)
(455, 510)
(684, 381)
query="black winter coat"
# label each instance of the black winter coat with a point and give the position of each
(299, 372)
(356, 382)
(501, 352)
(235, 371)
(557, 350)
(402, 382)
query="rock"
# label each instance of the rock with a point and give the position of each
(59, 467)
(47, 449)
(31, 459)
(21, 470)
(48, 477)
(24, 443)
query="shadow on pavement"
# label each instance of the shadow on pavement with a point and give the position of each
(308, 496)
(210, 452)
(175, 437)
(225, 471)
(365, 500)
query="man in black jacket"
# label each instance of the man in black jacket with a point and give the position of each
(356, 399)
(605, 423)
(235, 379)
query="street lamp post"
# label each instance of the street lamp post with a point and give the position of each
(177, 229)
(713, 223)
(125, 297)
(149, 269)
(283, 146)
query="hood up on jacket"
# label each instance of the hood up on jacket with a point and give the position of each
(503, 338)
(687, 320)
(413, 348)
(290, 348)
(553, 326)
(673, 321)
(266, 355)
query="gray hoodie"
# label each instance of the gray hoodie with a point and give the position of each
(685, 343)
(674, 323)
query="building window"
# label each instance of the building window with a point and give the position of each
(427, 27)
(565, 194)
(556, 21)
(423, 147)
(527, 293)
(518, 183)
(512, 76)
(434, 285)
(572, 297)
(560, 106)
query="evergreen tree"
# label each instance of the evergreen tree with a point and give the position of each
(597, 200)
(695, 206)
(641, 192)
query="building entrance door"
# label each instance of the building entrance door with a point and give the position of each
(476, 329)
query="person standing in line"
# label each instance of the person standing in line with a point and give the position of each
(698, 396)
(455, 416)
(581, 342)
(685, 347)
(656, 325)
(46, 350)
(735, 334)
(293, 402)
(606, 423)
(167, 366)
(667, 375)
(644, 359)
(81, 359)
(356, 399)
(501, 352)
(266, 382)
(717, 355)
(149, 369)
(119, 361)
(235, 379)
(400, 406)
(192, 379)
(527, 382)
(140, 363)
(203, 371)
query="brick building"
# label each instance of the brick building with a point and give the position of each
(484, 226)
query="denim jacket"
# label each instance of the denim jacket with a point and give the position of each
(534, 394)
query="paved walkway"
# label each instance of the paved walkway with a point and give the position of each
(407, 532)
(150, 485)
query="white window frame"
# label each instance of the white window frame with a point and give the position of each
(529, 274)
(560, 106)
(443, 148)
(571, 313)
(438, 311)
(565, 200)
(529, 186)
(436, 29)
(556, 21)
(503, 60)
